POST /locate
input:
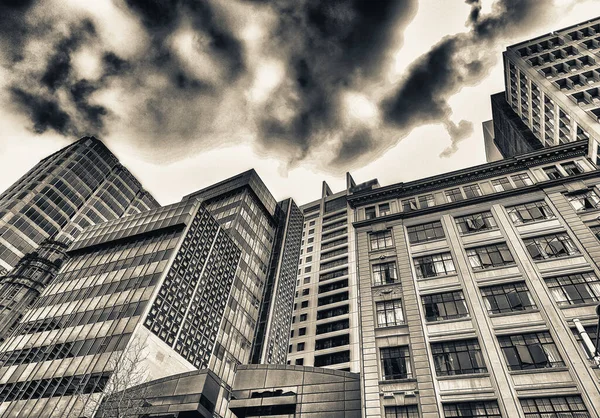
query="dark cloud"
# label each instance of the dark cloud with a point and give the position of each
(45, 114)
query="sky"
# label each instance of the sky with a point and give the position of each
(188, 92)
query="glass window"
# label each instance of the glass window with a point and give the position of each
(529, 212)
(490, 256)
(409, 205)
(501, 184)
(476, 222)
(307, 269)
(584, 200)
(434, 265)
(595, 230)
(425, 232)
(389, 313)
(550, 246)
(442, 306)
(458, 357)
(395, 363)
(472, 190)
(304, 304)
(406, 411)
(509, 297)
(384, 209)
(299, 361)
(384, 273)
(486, 409)
(305, 292)
(592, 332)
(426, 201)
(303, 317)
(306, 280)
(454, 195)
(381, 239)
(572, 168)
(300, 347)
(522, 180)
(552, 173)
(370, 212)
(574, 289)
(302, 331)
(555, 407)
(534, 350)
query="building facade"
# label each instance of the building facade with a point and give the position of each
(469, 284)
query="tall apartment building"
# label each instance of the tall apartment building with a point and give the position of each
(552, 86)
(325, 325)
(80, 185)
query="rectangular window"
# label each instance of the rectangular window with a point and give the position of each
(305, 292)
(384, 209)
(333, 358)
(584, 200)
(307, 269)
(434, 265)
(385, 273)
(534, 350)
(406, 411)
(552, 172)
(501, 184)
(482, 221)
(522, 180)
(572, 168)
(306, 280)
(309, 249)
(331, 342)
(389, 313)
(304, 304)
(592, 332)
(425, 232)
(454, 195)
(472, 190)
(299, 361)
(409, 205)
(300, 347)
(574, 289)
(426, 201)
(311, 231)
(490, 256)
(529, 212)
(302, 331)
(395, 363)
(550, 246)
(458, 357)
(308, 259)
(509, 297)
(477, 409)
(381, 239)
(370, 212)
(303, 317)
(442, 306)
(555, 407)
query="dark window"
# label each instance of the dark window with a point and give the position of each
(592, 332)
(330, 313)
(306, 280)
(395, 363)
(384, 273)
(299, 361)
(300, 347)
(552, 173)
(501, 184)
(534, 350)
(384, 209)
(426, 201)
(529, 212)
(382, 239)
(489, 256)
(335, 298)
(337, 341)
(409, 205)
(425, 232)
(441, 306)
(595, 230)
(486, 409)
(305, 292)
(550, 246)
(333, 286)
(302, 331)
(370, 212)
(333, 358)
(303, 317)
(457, 357)
(389, 313)
(307, 269)
(434, 265)
(509, 297)
(555, 407)
(572, 168)
(472, 190)
(454, 195)
(407, 411)
(304, 304)
(574, 289)
(476, 222)
(522, 180)
(584, 200)
(333, 326)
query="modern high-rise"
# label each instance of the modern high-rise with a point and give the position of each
(552, 85)
(325, 325)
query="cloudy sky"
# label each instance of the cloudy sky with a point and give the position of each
(188, 92)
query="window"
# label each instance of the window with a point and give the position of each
(486, 409)
(584, 200)
(522, 180)
(307, 269)
(472, 190)
(434, 265)
(311, 231)
(529, 212)
(303, 317)
(389, 313)
(308, 259)
(555, 407)
(309, 249)
(333, 326)
(384, 209)
(508, 297)
(572, 168)
(574, 289)
(292, 334)
(333, 358)
(595, 230)
(302, 331)
(501, 184)
(332, 342)
(370, 212)
(382, 239)
(407, 411)
(395, 363)
(441, 306)
(305, 292)
(306, 280)
(425, 232)
(426, 201)
(535, 350)
(476, 222)
(550, 246)
(384, 273)
(552, 173)
(458, 357)
(299, 361)
(489, 256)
(454, 195)
(290, 348)
(592, 332)
(304, 304)
(409, 205)
(300, 347)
